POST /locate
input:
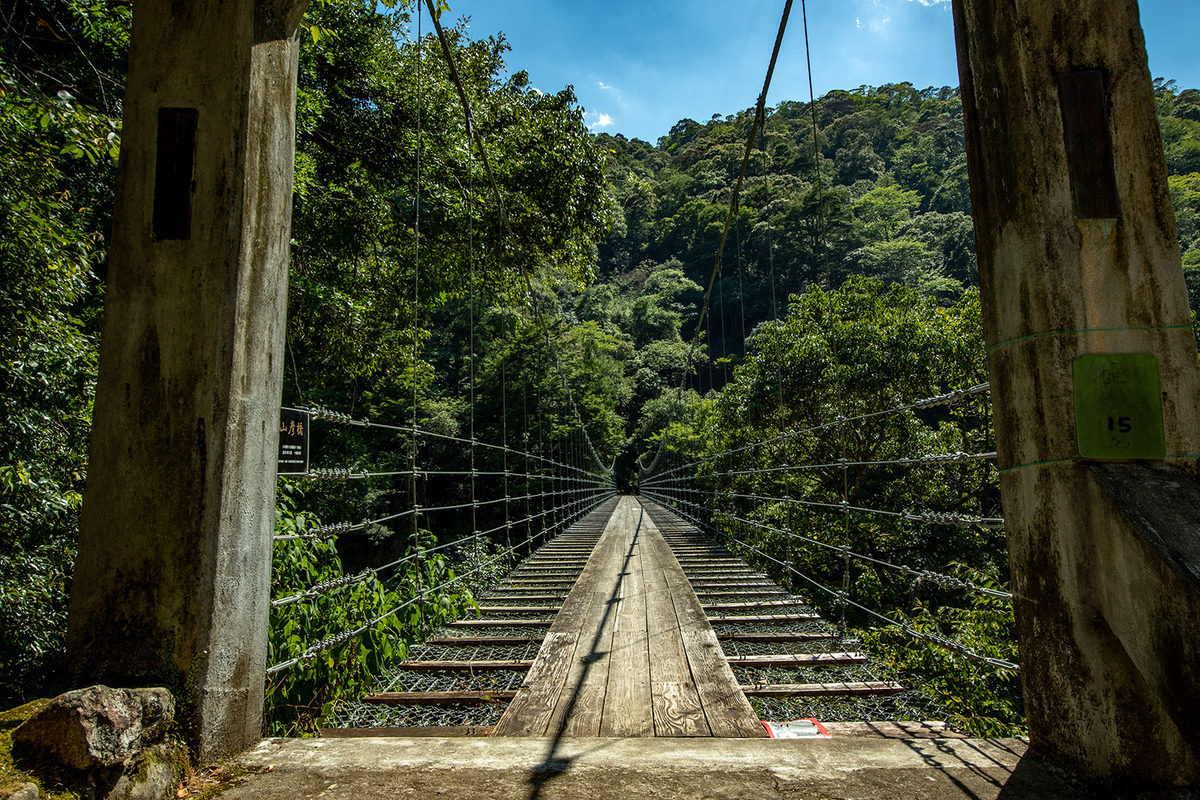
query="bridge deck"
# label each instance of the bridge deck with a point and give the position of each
(631, 653)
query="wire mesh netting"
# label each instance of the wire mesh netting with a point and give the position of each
(754, 618)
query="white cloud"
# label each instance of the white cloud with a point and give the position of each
(880, 24)
(858, 21)
(614, 92)
(929, 2)
(602, 120)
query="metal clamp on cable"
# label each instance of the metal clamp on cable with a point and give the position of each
(322, 414)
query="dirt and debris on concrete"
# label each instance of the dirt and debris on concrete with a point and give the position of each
(844, 767)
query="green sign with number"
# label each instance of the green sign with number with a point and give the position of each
(1118, 407)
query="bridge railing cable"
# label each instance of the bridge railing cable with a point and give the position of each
(784, 498)
(331, 642)
(843, 597)
(556, 486)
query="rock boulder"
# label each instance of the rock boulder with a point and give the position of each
(95, 728)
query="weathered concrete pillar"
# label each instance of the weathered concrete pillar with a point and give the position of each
(1078, 257)
(172, 579)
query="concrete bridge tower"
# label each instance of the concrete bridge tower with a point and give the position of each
(1094, 380)
(172, 578)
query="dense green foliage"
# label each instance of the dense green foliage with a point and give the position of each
(772, 450)
(59, 84)
(299, 698)
(401, 268)
(892, 202)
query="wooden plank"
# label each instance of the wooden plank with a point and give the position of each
(749, 606)
(540, 582)
(822, 689)
(437, 698)
(532, 704)
(798, 660)
(437, 731)
(435, 666)
(582, 706)
(674, 698)
(483, 641)
(728, 711)
(501, 623)
(677, 710)
(628, 703)
(631, 613)
(775, 637)
(519, 609)
(742, 593)
(766, 618)
(628, 699)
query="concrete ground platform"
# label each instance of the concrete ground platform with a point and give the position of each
(473, 768)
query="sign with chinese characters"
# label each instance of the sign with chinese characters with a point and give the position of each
(1118, 407)
(293, 442)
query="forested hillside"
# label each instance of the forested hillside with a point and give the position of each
(410, 293)
(888, 199)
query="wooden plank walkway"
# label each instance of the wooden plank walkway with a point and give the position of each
(631, 652)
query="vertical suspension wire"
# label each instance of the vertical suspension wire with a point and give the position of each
(504, 446)
(541, 458)
(774, 295)
(471, 351)
(812, 106)
(737, 223)
(416, 525)
(572, 461)
(555, 468)
(525, 448)
(724, 341)
(845, 596)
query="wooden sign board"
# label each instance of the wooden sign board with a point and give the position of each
(293, 442)
(1118, 407)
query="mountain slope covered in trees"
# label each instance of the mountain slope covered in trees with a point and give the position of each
(883, 193)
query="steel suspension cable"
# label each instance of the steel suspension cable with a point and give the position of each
(476, 137)
(759, 122)
(812, 105)
(841, 597)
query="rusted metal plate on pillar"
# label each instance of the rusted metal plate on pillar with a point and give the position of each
(1084, 105)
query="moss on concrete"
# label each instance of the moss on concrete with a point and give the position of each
(50, 785)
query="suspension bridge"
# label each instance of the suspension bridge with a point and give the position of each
(605, 623)
(636, 616)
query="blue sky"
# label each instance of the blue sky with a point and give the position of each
(639, 67)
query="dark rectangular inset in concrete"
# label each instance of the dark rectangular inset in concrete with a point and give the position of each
(174, 162)
(1084, 104)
